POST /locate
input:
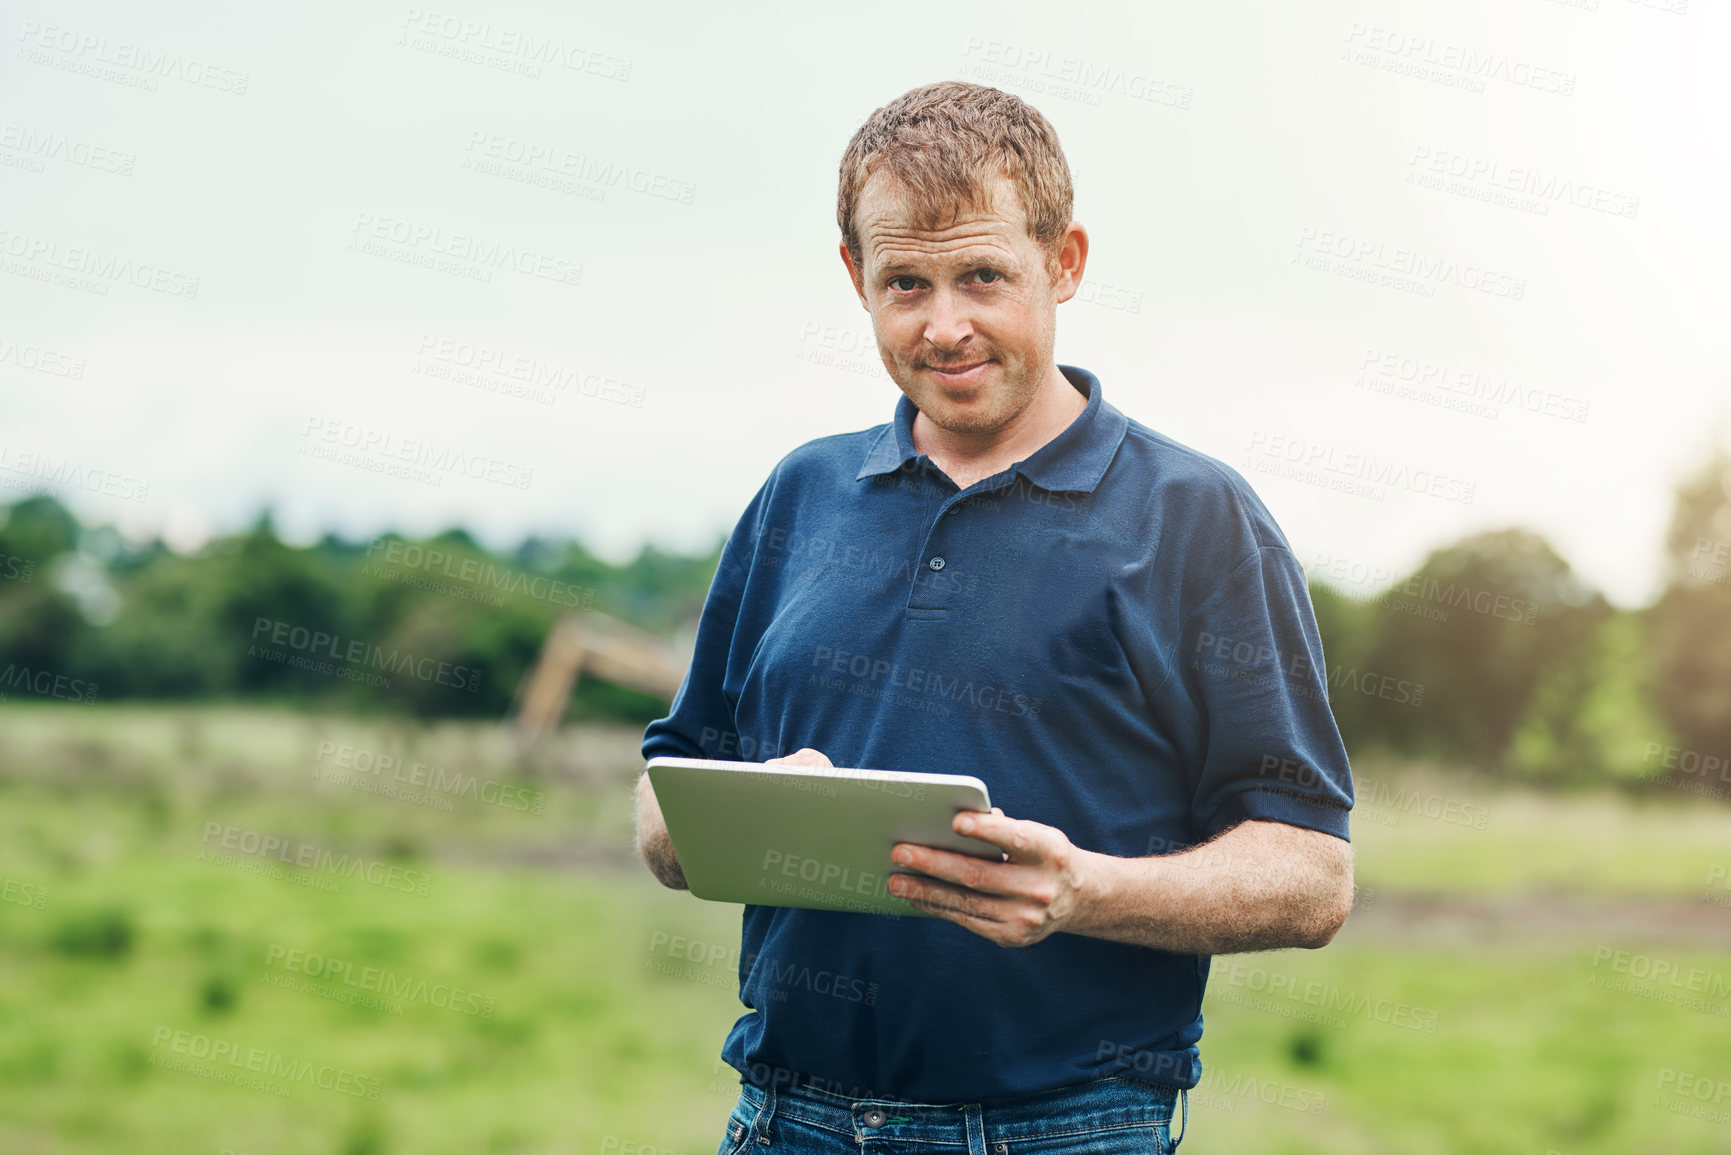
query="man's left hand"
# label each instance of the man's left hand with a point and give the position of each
(1037, 890)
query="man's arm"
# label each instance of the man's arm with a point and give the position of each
(654, 847)
(1258, 886)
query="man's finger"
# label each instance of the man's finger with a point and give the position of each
(976, 874)
(954, 903)
(1022, 841)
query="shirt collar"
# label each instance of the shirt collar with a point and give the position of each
(1076, 459)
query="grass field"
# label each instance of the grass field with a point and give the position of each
(498, 977)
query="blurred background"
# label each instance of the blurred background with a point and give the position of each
(378, 382)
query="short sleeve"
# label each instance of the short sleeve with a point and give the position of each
(1253, 665)
(701, 722)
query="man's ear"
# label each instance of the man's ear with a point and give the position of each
(856, 275)
(1072, 260)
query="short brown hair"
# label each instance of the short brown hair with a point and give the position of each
(941, 143)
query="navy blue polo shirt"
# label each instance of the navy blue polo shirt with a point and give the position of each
(1112, 634)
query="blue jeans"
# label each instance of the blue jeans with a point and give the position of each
(1110, 1116)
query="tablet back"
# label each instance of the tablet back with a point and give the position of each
(807, 836)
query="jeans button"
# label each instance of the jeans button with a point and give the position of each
(1000, 1149)
(874, 1117)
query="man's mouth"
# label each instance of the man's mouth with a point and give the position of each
(960, 374)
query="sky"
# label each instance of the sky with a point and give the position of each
(1416, 270)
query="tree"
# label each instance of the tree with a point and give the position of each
(1476, 630)
(39, 624)
(1692, 620)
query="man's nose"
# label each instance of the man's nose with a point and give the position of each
(948, 325)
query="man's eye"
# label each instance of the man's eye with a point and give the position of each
(895, 283)
(992, 274)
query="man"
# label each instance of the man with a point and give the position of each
(1010, 580)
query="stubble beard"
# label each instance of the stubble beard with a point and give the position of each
(1009, 393)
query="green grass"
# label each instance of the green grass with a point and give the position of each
(543, 915)
(1494, 842)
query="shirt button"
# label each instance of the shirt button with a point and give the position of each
(874, 1117)
(936, 563)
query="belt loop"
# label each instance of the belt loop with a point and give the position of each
(1184, 1121)
(765, 1115)
(974, 1120)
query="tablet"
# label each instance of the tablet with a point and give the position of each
(808, 836)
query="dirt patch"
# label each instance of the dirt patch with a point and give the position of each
(1445, 919)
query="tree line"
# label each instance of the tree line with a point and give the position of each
(1493, 654)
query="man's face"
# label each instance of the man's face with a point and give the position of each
(965, 315)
